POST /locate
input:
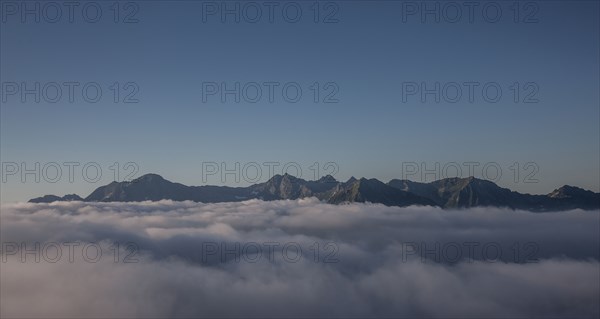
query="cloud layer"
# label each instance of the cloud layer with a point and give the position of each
(297, 258)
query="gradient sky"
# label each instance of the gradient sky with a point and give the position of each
(368, 53)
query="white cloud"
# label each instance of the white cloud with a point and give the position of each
(374, 275)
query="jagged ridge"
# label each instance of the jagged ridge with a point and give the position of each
(446, 193)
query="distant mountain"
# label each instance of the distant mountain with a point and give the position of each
(460, 192)
(372, 190)
(153, 187)
(52, 198)
(473, 192)
(446, 193)
(574, 197)
(282, 187)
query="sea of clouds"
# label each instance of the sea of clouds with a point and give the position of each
(299, 258)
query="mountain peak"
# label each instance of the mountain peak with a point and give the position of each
(327, 179)
(566, 191)
(277, 178)
(373, 190)
(149, 178)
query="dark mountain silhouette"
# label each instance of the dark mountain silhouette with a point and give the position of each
(460, 192)
(446, 193)
(53, 198)
(575, 197)
(374, 191)
(472, 192)
(153, 187)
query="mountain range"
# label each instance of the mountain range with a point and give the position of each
(445, 193)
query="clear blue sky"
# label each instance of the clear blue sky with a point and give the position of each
(369, 53)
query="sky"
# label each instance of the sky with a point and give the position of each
(366, 115)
